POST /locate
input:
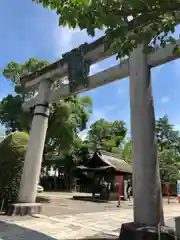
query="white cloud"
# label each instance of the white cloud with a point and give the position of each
(101, 113)
(63, 40)
(165, 99)
(66, 39)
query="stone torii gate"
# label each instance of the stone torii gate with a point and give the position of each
(146, 181)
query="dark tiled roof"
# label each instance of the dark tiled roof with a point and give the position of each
(110, 161)
(114, 161)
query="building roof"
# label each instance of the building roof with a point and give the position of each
(117, 163)
(102, 161)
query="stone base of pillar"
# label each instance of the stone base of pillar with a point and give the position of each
(135, 231)
(177, 226)
(23, 209)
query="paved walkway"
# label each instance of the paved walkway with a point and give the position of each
(78, 226)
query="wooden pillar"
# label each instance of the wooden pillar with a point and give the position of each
(33, 159)
(146, 179)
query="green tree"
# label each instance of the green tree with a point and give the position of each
(107, 135)
(169, 162)
(67, 117)
(98, 132)
(12, 153)
(165, 133)
(126, 151)
(127, 23)
(65, 162)
(11, 115)
(168, 149)
(14, 71)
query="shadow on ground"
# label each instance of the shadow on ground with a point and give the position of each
(10, 231)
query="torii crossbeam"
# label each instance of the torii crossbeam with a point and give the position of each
(59, 70)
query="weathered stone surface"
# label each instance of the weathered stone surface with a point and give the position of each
(22, 209)
(135, 231)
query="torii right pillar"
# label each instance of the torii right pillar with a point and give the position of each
(146, 178)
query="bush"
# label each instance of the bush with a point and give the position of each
(12, 153)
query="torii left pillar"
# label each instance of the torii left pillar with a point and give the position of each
(33, 159)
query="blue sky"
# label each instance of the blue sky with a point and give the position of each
(29, 30)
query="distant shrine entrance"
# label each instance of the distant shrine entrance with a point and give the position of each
(75, 65)
(102, 173)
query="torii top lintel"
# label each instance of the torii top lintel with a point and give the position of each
(94, 52)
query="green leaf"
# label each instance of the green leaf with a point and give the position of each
(176, 51)
(150, 20)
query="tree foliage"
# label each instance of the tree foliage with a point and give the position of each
(126, 151)
(168, 148)
(169, 162)
(106, 135)
(12, 153)
(12, 116)
(14, 71)
(127, 23)
(167, 137)
(67, 117)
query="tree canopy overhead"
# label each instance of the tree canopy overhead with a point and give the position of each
(127, 23)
